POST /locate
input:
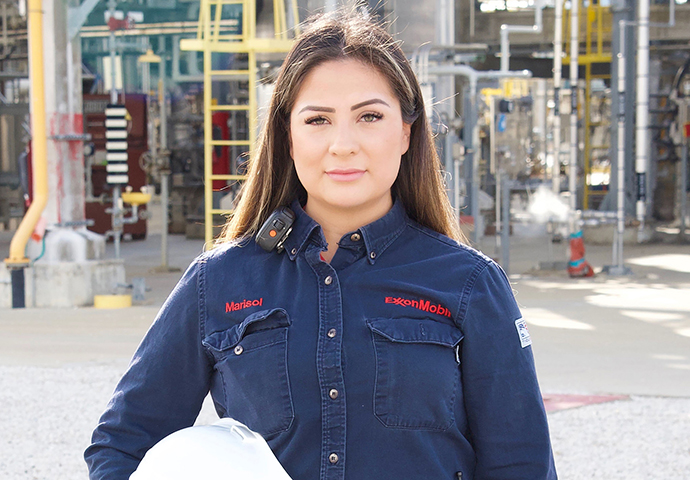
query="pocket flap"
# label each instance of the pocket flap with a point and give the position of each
(256, 322)
(412, 330)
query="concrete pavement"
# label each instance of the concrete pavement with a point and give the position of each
(603, 335)
(593, 339)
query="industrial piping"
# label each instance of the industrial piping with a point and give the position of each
(557, 75)
(642, 141)
(17, 260)
(574, 54)
(506, 29)
(471, 146)
(642, 110)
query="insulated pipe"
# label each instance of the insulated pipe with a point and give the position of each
(39, 141)
(557, 74)
(620, 193)
(445, 22)
(506, 29)
(642, 110)
(574, 54)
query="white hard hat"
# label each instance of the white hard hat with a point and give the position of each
(225, 450)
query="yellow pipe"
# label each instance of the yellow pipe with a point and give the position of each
(295, 14)
(276, 19)
(38, 139)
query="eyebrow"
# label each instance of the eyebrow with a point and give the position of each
(353, 108)
(318, 109)
(368, 102)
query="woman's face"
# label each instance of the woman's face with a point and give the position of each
(347, 136)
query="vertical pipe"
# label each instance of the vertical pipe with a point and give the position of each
(163, 102)
(574, 51)
(117, 208)
(165, 178)
(540, 106)
(620, 192)
(473, 132)
(448, 152)
(208, 126)
(497, 207)
(18, 288)
(165, 171)
(505, 228)
(505, 49)
(684, 177)
(493, 167)
(586, 170)
(557, 74)
(642, 110)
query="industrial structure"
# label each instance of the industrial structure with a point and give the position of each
(574, 98)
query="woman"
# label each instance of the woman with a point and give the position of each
(376, 345)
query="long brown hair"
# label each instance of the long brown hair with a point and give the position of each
(272, 180)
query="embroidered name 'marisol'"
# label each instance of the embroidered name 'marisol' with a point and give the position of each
(233, 307)
(424, 305)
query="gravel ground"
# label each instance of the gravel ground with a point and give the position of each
(48, 415)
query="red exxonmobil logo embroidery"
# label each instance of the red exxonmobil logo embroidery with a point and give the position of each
(424, 305)
(232, 306)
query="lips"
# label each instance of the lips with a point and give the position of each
(345, 174)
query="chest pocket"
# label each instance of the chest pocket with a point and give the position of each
(417, 375)
(251, 360)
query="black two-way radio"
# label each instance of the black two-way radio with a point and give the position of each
(276, 229)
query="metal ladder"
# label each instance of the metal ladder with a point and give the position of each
(222, 30)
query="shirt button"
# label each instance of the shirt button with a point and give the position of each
(331, 333)
(355, 237)
(333, 394)
(333, 458)
(239, 349)
(328, 280)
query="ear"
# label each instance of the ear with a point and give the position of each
(407, 127)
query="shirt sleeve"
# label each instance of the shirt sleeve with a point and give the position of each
(504, 405)
(162, 390)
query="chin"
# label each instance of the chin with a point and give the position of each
(354, 202)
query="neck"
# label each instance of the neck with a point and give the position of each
(336, 222)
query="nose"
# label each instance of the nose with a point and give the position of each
(344, 142)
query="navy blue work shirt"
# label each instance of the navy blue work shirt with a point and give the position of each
(404, 358)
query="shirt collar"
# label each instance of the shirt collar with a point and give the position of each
(377, 236)
(302, 229)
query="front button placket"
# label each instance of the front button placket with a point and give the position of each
(329, 368)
